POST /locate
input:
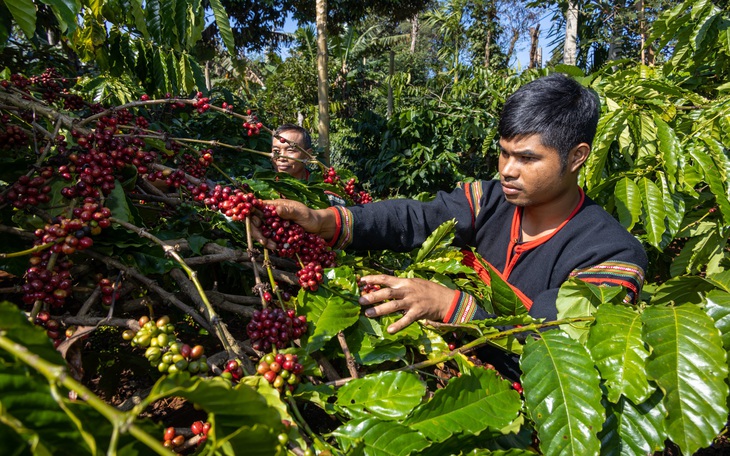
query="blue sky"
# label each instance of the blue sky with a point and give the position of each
(522, 51)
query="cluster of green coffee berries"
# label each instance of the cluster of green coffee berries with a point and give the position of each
(282, 371)
(163, 350)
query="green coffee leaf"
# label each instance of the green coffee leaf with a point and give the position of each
(385, 395)
(233, 407)
(628, 202)
(23, 12)
(332, 313)
(379, 438)
(618, 350)
(562, 393)
(688, 362)
(470, 403)
(439, 239)
(653, 202)
(631, 429)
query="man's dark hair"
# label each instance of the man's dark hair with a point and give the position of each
(306, 137)
(558, 108)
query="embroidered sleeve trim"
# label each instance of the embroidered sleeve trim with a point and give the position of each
(473, 194)
(614, 273)
(343, 234)
(462, 309)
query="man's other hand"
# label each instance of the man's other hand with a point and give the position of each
(416, 298)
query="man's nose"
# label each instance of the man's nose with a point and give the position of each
(509, 168)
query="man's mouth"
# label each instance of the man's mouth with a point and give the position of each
(510, 189)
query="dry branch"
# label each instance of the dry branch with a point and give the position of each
(152, 286)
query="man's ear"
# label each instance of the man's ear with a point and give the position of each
(578, 156)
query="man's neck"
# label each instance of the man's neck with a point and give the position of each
(539, 221)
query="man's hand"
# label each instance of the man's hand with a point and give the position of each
(416, 298)
(317, 221)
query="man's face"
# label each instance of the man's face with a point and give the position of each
(283, 154)
(531, 173)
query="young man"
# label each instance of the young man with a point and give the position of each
(534, 226)
(286, 156)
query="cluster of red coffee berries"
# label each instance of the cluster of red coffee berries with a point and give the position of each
(72, 102)
(172, 440)
(66, 236)
(12, 136)
(366, 288)
(49, 83)
(293, 242)
(94, 213)
(27, 191)
(173, 178)
(233, 371)
(310, 276)
(281, 371)
(18, 80)
(358, 197)
(200, 429)
(197, 165)
(52, 326)
(101, 154)
(233, 203)
(252, 126)
(289, 237)
(274, 327)
(49, 286)
(331, 176)
(201, 103)
(108, 293)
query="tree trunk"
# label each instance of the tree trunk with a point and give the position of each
(647, 54)
(322, 83)
(534, 37)
(414, 33)
(391, 73)
(486, 47)
(207, 75)
(571, 33)
(512, 43)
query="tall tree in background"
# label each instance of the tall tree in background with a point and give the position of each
(483, 34)
(571, 33)
(515, 21)
(323, 126)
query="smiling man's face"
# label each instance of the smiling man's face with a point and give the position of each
(284, 152)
